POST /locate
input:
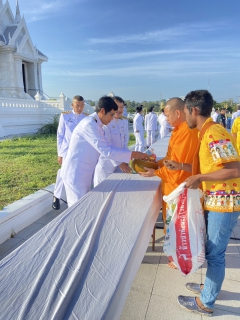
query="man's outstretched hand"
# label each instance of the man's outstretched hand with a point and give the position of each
(140, 155)
(125, 167)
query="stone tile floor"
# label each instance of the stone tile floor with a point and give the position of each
(155, 288)
(154, 292)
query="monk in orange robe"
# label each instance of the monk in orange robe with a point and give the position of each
(182, 146)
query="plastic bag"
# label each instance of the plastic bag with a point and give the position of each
(185, 229)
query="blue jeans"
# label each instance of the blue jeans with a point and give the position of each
(219, 229)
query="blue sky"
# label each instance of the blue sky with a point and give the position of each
(140, 50)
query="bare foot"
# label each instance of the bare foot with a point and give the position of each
(172, 265)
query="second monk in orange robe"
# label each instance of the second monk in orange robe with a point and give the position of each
(181, 148)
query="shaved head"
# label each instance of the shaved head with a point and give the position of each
(175, 104)
(174, 111)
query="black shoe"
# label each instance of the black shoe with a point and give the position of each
(56, 203)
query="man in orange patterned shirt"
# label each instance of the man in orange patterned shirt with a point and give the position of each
(220, 177)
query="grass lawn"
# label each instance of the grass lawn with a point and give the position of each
(28, 164)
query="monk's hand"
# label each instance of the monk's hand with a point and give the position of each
(172, 165)
(60, 160)
(125, 167)
(148, 173)
(193, 182)
(140, 155)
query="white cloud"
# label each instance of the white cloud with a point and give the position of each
(141, 54)
(160, 35)
(174, 68)
(40, 10)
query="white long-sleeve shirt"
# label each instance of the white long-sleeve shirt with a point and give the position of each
(151, 121)
(67, 123)
(115, 133)
(165, 127)
(87, 143)
(138, 123)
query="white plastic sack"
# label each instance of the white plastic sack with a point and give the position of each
(185, 229)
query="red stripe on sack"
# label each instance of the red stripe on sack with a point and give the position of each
(183, 249)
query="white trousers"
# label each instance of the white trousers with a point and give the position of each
(74, 193)
(139, 146)
(150, 137)
(59, 184)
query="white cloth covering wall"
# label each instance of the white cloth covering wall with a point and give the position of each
(82, 264)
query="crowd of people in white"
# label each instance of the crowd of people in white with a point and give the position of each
(91, 147)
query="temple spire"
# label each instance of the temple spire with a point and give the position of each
(18, 15)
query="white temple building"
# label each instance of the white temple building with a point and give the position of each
(23, 107)
(20, 60)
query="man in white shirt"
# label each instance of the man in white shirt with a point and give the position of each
(165, 127)
(138, 130)
(87, 143)
(116, 135)
(150, 126)
(215, 115)
(67, 123)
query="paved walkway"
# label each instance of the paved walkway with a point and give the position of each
(155, 289)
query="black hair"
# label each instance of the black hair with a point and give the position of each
(202, 99)
(162, 110)
(150, 109)
(78, 98)
(106, 103)
(139, 109)
(119, 99)
(223, 109)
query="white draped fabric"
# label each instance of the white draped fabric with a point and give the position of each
(82, 264)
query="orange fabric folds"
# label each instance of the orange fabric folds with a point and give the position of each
(182, 147)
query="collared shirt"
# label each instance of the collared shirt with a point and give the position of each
(67, 123)
(217, 148)
(87, 143)
(138, 123)
(151, 121)
(115, 134)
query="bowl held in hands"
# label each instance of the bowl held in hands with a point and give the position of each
(138, 165)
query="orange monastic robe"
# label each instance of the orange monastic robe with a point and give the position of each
(181, 148)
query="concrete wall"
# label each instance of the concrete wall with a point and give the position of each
(25, 116)
(19, 116)
(20, 214)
